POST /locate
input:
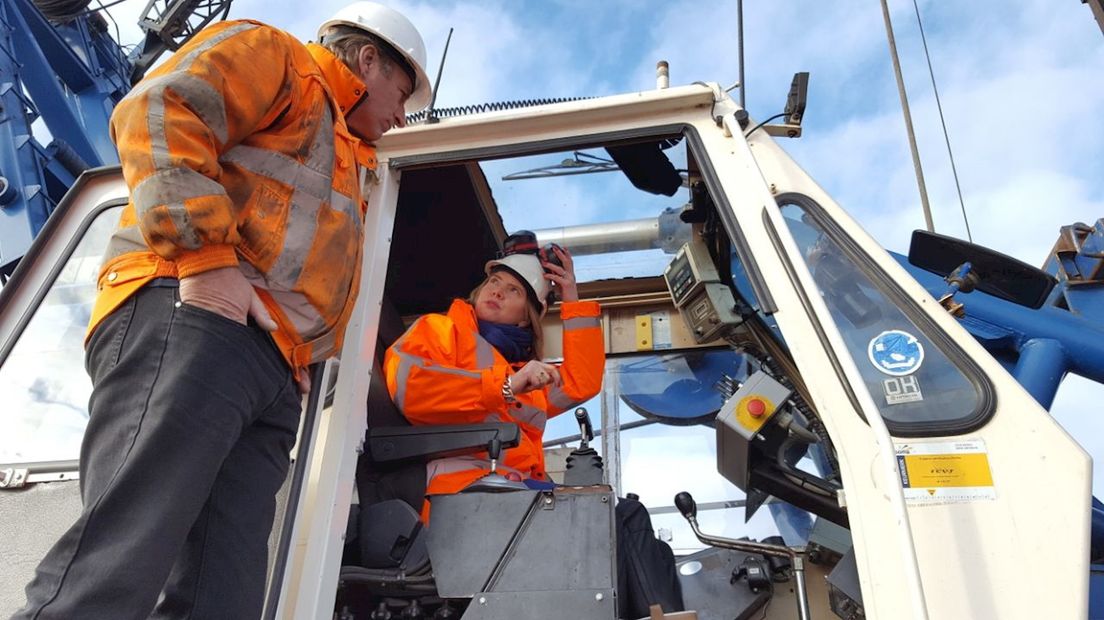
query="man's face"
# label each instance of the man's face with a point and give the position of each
(388, 89)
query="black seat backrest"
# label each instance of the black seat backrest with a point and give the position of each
(377, 482)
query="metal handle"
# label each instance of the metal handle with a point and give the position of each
(686, 505)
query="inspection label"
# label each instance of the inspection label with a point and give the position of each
(661, 330)
(950, 472)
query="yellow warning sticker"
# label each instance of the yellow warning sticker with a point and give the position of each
(945, 472)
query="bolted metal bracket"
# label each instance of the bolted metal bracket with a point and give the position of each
(12, 478)
(956, 308)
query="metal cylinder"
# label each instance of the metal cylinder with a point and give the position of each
(802, 595)
(642, 234)
(68, 157)
(663, 75)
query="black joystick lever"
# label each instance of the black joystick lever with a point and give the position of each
(492, 481)
(586, 431)
(584, 466)
(494, 450)
(687, 506)
(689, 509)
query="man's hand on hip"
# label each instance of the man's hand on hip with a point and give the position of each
(226, 292)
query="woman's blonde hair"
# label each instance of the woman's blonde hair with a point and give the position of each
(531, 314)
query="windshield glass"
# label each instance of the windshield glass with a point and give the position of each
(544, 193)
(664, 406)
(910, 376)
(43, 384)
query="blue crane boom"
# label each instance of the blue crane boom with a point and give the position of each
(59, 63)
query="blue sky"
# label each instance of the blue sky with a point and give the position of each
(1020, 86)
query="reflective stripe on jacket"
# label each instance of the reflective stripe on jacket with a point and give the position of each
(441, 371)
(237, 153)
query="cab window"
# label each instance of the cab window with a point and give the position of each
(921, 384)
(43, 384)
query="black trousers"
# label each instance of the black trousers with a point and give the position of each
(192, 420)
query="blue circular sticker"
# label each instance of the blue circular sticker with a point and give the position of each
(895, 352)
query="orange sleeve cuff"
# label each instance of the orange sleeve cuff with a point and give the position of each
(206, 258)
(493, 378)
(576, 309)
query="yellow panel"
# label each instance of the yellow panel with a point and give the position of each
(643, 332)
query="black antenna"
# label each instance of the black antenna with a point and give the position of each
(740, 42)
(430, 116)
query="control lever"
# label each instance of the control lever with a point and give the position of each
(584, 466)
(492, 481)
(494, 450)
(689, 509)
(586, 431)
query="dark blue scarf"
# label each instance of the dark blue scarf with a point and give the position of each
(514, 343)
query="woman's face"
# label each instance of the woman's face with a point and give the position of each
(502, 299)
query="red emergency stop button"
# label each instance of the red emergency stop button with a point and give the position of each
(756, 408)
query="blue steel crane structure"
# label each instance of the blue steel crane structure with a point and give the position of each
(59, 63)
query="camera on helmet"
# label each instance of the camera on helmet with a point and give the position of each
(525, 242)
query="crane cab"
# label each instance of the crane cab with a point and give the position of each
(762, 350)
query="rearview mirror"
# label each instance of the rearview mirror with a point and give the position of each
(1000, 275)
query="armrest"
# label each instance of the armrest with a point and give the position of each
(388, 444)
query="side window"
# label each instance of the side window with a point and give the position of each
(920, 381)
(43, 384)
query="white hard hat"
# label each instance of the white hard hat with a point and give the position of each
(394, 28)
(528, 268)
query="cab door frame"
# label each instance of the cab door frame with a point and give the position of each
(310, 586)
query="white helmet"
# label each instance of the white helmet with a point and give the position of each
(394, 28)
(528, 268)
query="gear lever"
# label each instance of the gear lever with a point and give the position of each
(584, 466)
(689, 509)
(586, 431)
(494, 449)
(492, 481)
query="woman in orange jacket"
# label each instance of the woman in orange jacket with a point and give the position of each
(480, 362)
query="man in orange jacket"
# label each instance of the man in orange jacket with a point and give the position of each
(235, 265)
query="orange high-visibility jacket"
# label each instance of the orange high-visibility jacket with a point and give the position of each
(237, 153)
(441, 371)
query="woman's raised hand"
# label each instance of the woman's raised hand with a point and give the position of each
(562, 277)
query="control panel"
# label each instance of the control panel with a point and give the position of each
(740, 420)
(705, 303)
